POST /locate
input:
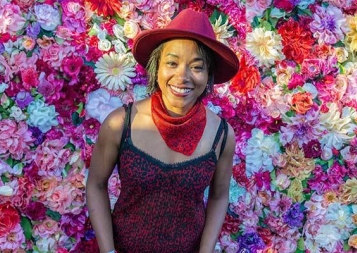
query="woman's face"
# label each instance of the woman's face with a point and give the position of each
(182, 75)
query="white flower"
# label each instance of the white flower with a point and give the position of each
(222, 30)
(340, 126)
(131, 29)
(47, 16)
(259, 152)
(341, 216)
(118, 31)
(104, 45)
(327, 237)
(119, 46)
(114, 70)
(6, 191)
(265, 46)
(100, 104)
(17, 113)
(41, 115)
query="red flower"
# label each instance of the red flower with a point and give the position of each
(286, 5)
(9, 218)
(297, 41)
(246, 79)
(105, 7)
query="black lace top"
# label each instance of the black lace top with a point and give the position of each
(160, 208)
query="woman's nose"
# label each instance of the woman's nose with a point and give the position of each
(182, 74)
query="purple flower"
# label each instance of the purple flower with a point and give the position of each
(37, 134)
(33, 30)
(2, 48)
(250, 243)
(294, 216)
(328, 25)
(36, 211)
(72, 224)
(23, 99)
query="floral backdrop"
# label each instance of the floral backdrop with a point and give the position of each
(66, 64)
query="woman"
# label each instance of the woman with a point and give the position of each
(168, 147)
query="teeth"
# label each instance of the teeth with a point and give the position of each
(179, 90)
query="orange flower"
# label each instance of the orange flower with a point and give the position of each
(352, 241)
(105, 7)
(301, 102)
(246, 79)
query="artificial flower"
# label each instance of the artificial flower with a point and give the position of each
(105, 8)
(114, 71)
(328, 24)
(100, 103)
(265, 46)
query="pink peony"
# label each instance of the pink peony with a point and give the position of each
(51, 157)
(13, 241)
(60, 198)
(46, 228)
(11, 19)
(15, 139)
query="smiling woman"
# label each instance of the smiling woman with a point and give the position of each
(170, 147)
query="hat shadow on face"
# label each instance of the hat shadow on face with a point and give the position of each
(189, 24)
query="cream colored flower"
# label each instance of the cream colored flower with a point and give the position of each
(115, 70)
(297, 165)
(349, 191)
(339, 125)
(351, 37)
(265, 46)
(222, 30)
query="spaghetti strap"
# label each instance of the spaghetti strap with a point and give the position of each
(225, 133)
(126, 130)
(222, 128)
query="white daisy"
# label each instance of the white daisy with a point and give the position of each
(115, 70)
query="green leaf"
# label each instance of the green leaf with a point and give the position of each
(27, 227)
(53, 215)
(301, 245)
(76, 120)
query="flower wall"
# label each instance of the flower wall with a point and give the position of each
(64, 65)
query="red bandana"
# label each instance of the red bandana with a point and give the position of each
(181, 134)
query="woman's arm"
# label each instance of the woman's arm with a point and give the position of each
(104, 157)
(218, 196)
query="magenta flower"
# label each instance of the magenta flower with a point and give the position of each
(312, 149)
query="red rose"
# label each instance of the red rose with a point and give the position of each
(9, 218)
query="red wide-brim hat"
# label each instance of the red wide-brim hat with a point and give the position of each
(189, 24)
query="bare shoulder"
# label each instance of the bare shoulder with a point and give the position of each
(214, 120)
(112, 127)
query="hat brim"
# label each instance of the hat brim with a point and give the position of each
(226, 62)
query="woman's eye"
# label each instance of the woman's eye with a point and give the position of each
(198, 67)
(171, 64)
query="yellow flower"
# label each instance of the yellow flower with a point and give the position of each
(295, 190)
(351, 37)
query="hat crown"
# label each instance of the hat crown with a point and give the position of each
(193, 22)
